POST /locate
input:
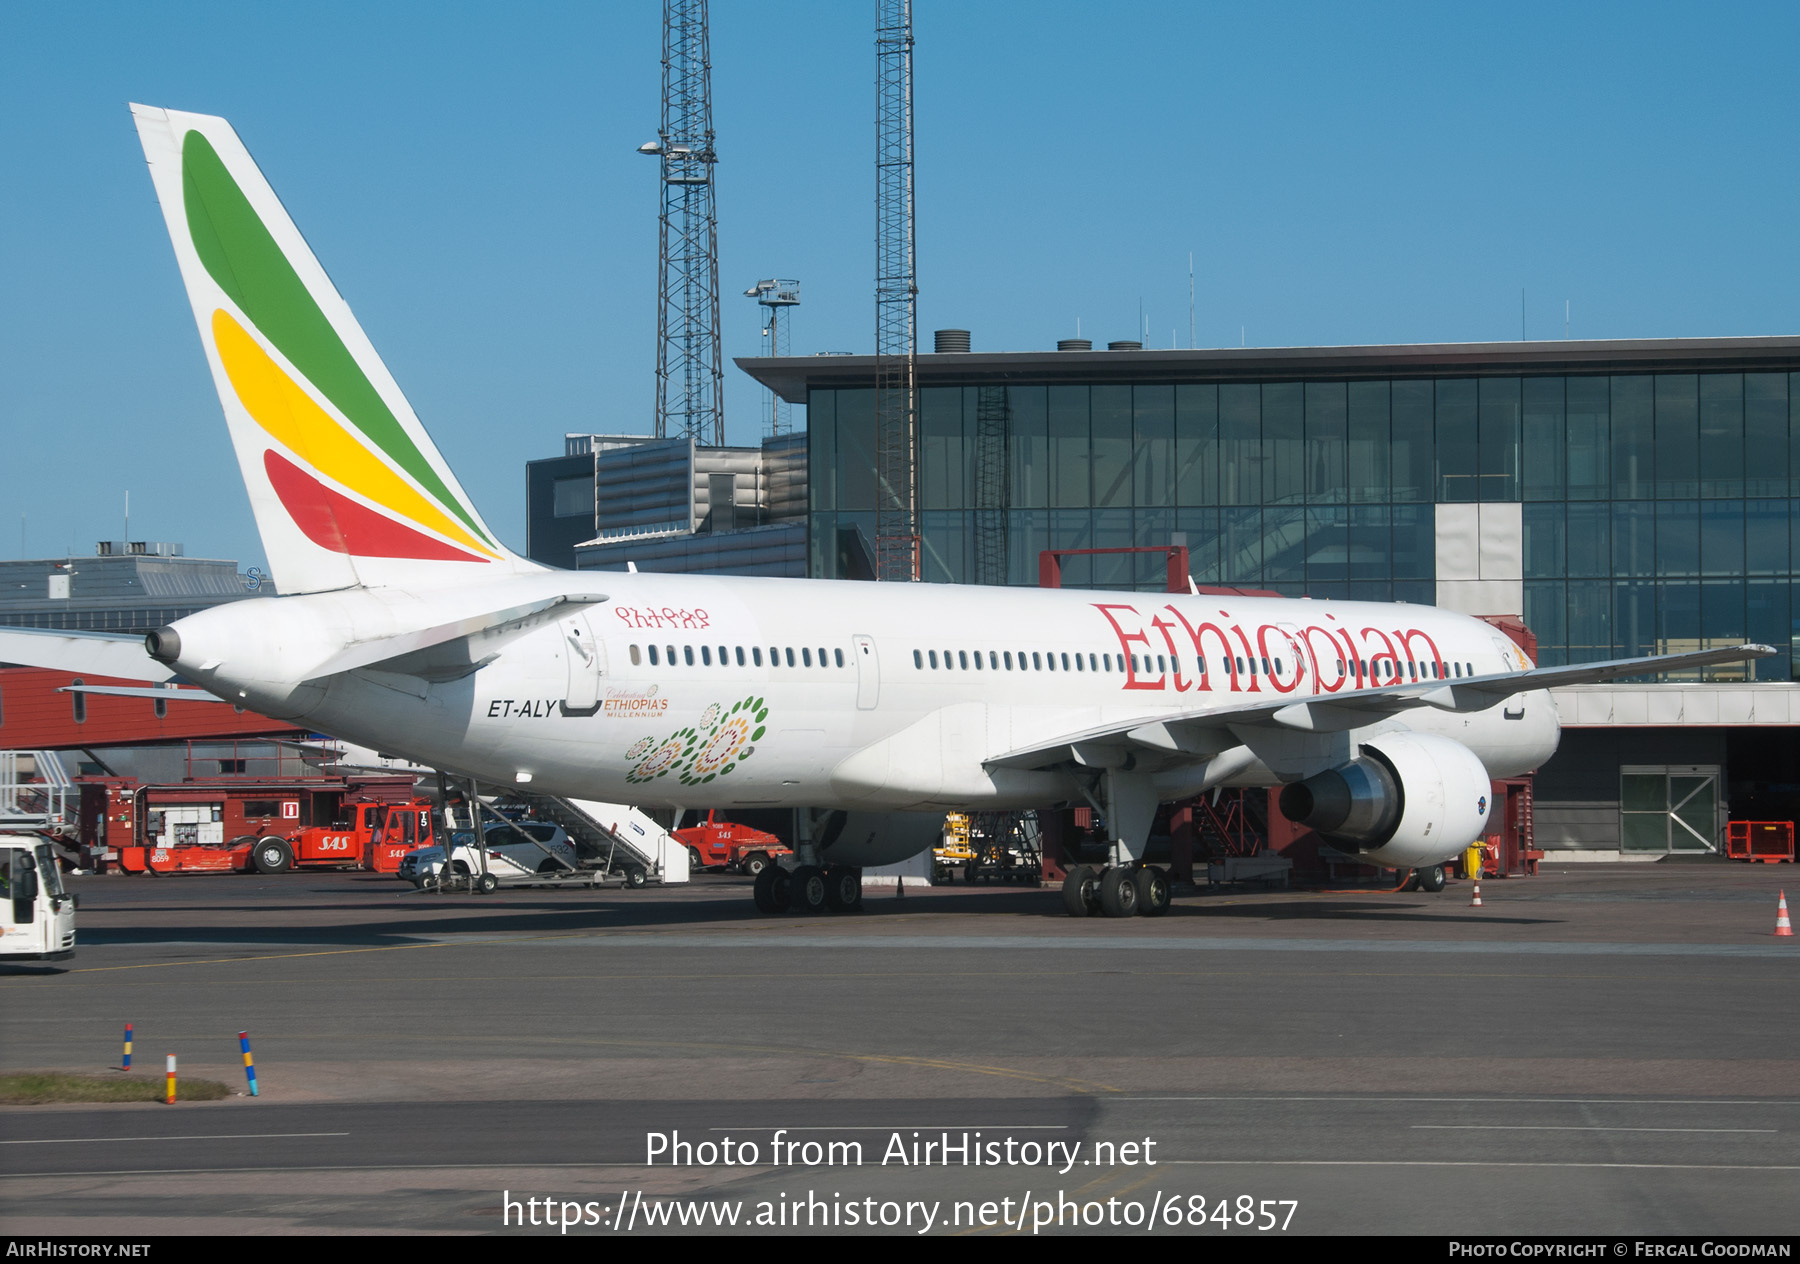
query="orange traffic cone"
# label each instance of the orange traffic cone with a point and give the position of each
(1782, 925)
(1476, 902)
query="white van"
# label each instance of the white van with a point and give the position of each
(509, 857)
(37, 917)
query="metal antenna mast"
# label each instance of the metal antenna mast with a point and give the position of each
(896, 299)
(690, 372)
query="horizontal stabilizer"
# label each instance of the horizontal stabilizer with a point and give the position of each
(410, 653)
(170, 694)
(120, 655)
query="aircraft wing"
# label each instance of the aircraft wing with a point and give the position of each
(120, 655)
(1204, 731)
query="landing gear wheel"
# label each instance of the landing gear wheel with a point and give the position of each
(487, 884)
(1118, 891)
(1152, 891)
(806, 889)
(635, 877)
(1081, 892)
(1412, 881)
(754, 864)
(843, 888)
(272, 855)
(1430, 878)
(772, 889)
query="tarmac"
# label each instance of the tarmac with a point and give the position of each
(1602, 1049)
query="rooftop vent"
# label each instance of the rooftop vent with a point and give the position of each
(1125, 346)
(1074, 344)
(947, 341)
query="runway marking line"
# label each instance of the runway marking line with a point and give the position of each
(888, 1128)
(464, 1167)
(1500, 1101)
(1570, 1128)
(221, 1136)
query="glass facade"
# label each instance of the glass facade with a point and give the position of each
(1660, 511)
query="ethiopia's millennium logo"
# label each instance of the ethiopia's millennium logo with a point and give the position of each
(720, 742)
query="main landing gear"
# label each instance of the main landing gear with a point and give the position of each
(1117, 891)
(809, 889)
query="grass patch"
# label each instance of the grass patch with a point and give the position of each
(34, 1088)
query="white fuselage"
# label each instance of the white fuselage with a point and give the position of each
(728, 692)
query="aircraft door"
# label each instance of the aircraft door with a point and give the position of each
(586, 658)
(868, 673)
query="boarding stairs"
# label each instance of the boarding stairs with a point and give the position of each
(612, 837)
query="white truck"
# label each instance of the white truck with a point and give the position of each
(37, 916)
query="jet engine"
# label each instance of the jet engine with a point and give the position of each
(1408, 799)
(875, 838)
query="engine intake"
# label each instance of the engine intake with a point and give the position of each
(1407, 799)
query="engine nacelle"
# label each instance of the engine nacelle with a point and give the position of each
(1408, 799)
(875, 838)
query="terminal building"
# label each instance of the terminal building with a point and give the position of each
(126, 586)
(1623, 497)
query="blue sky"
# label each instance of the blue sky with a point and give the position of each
(1342, 174)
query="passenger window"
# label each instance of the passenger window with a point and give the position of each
(756, 655)
(790, 656)
(1008, 657)
(918, 661)
(706, 655)
(1240, 666)
(962, 659)
(740, 655)
(933, 656)
(1093, 662)
(806, 656)
(1037, 663)
(653, 661)
(1079, 665)
(634, 656)
(1049, 661)
(1107, 659)
(1278, 667)
(977, 660)
(839, 655)
(1161, 664)
(1457, 667)
(671, 654)
(687, 653)
(823, 660)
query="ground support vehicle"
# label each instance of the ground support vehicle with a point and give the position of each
(718, 843)
(611, 844)
(990, 847)
(37, 916)
(224, 825)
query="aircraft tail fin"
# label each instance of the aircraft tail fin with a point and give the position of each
(347, 487)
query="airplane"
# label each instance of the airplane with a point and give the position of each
(404, 624)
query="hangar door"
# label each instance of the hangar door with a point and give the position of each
(1669, 808)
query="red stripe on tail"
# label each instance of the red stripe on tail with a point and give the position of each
(334, 521)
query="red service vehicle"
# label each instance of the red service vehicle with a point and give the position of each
(716, 842)
(231, 826)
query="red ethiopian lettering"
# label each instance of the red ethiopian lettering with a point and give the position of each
(1125, 642)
